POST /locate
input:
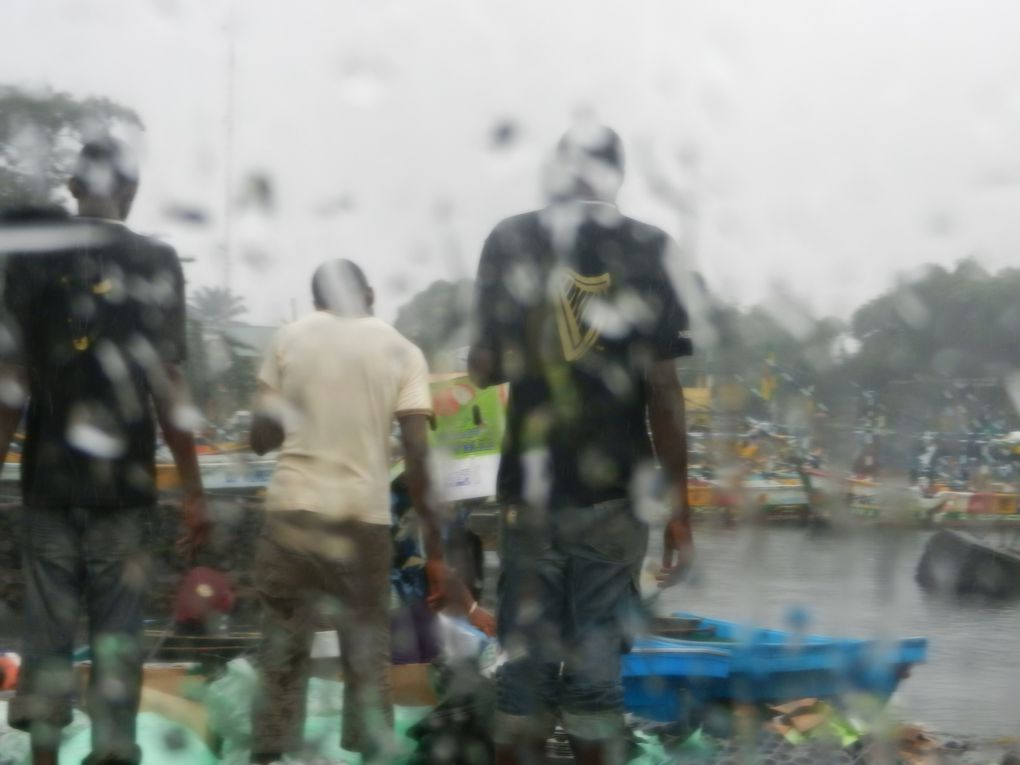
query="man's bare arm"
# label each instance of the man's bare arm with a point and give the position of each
(414, 430)
(414, 437)
(668, 420)
(169, 401)
(11, 410)
(170, 397)
(267, 432)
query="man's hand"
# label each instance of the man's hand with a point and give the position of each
(677, 550)
(462, 604)
(482, 620)
(438, 576)
(197, 525)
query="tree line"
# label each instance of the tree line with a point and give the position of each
(944, 338)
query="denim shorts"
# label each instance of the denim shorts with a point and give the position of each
(78, 559)
(568, 598)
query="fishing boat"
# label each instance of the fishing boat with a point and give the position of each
(714, 661)
(222, 471)
(871, 501)
(772, 497)
(960, 564)
(956, 508)
(237, 471)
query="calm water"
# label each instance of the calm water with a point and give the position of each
(861, 584)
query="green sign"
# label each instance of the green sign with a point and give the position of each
(469, 421)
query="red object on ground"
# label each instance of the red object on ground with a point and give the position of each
(10, 664)
(204, 592)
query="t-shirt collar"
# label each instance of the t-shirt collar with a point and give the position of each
(114, 221)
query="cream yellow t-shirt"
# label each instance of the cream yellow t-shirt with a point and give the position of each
(338, 383)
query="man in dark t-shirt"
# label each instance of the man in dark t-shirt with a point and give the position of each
(92, 339)
(576, 308)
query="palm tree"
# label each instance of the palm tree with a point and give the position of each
(214, 362)
(217, 305)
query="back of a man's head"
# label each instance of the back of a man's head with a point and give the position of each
(105, 178)
(340, 286)
(588, 164)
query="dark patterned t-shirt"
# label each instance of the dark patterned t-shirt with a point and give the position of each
(576, 304)
(92, 321)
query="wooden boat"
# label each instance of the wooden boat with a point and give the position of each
(960, 564)
(864, 499)
(868, 500)
(234, 471)
(776, 497)
(972, 507)
(717, 661)
(221, 472)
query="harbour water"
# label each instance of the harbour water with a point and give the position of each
(861, 583)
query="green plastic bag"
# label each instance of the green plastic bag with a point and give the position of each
(163, 743)
(16, 745)
(651, 752)
(228, 703)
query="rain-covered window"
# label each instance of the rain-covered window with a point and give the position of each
(477, 382)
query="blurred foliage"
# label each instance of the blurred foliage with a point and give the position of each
(196, 366)
(920, 343)
(940, 325)
(437, 320)
(237, 385)
(221, 369)
(746, 339)
(216, 305)
(40, 135)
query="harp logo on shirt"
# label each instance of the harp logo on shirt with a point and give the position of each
(574, 294)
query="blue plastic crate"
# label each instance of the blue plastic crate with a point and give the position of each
(667, 679)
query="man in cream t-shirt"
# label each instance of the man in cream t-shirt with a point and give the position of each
(329, 389)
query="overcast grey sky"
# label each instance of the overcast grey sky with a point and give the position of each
(828, 145)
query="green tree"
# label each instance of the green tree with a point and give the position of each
(437, 320)
(934, 352)
(944, 325)
(40, 134)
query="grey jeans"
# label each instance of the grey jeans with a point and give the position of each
(72, 556)
(567, 592)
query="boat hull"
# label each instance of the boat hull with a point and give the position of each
(959, 564)
(671, 680)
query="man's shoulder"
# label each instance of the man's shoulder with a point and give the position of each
(515, 225)
(33, 214)
(389, 342)
(386, 331)
(157, 249)
(368, 327)
(531, 222)
(298, 325)
(646, 233)
(36, 230)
